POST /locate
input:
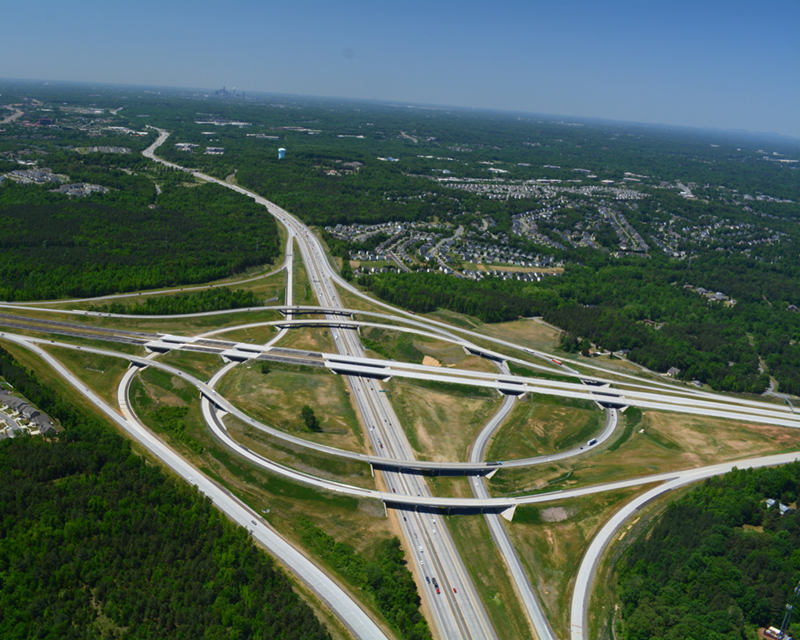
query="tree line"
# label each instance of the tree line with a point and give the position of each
(216, 299)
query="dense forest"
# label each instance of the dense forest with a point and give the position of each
(216, 299)
(95, 543)
(718, 563)
(53, 247)
(644, 308)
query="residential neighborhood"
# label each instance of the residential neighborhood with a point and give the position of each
(18, 417)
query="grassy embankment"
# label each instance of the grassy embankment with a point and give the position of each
(551, 540)
(539, 425)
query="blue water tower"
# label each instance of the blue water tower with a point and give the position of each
(281, 153)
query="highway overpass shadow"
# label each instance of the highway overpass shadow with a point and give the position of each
(433, 472)
(445, 511)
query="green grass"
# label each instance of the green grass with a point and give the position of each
(519, 370)
(462, 390)
(457, 319)
(297, 457)
(292, 368)
(545, 424)
(303, 293)
(527, 514)
(165, 380)
(406, 417)
(256, 335)
(377, 347)
(661, 442)
(440, 420)
(277, 399)
(102, 373)
(153, 389)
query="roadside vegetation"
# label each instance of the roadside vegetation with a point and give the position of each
(101, 373)
(381, 575)
(416, 349)
(489, 575)
(440, 419)
(201, 365)
(545, 424)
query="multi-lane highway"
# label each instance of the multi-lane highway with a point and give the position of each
(455, 605)
(455, 609)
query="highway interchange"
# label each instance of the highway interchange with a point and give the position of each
(454, 605)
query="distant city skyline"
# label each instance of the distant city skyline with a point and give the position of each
(683, 63)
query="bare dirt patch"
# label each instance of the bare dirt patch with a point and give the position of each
(555, 514)
(431, 362)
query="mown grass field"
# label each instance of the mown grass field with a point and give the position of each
(278, 397)
(651, 442)
(102, 374)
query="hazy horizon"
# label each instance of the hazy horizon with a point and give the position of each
(690, 65)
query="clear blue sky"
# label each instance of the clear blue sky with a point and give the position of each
(725, 63)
